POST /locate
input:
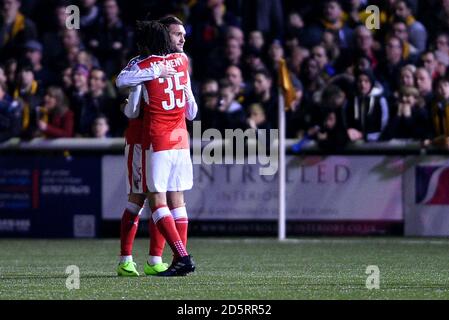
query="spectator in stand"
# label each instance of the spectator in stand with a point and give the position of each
(399, 29)
(209, 101)
(331, 133)
(10, 115)
(322, 44)
(296, 26)
(66, 79)
(332, 20)
(440, 115)
(79, 94)
(407, 79)
(364, 45)
(72, 45)
(84, 57)
(100, 127)
(294, 114)
(15, 29)
(210, 20)
(236, 33)
(29, 93)
(388, 71)
(424, 85)
(320, 55)
(221, 59)
(264, 15)
(408, 76)
(429, 62)
(442, 63)
(367, 114)
(253, 62)
(411, 120)
(90, 14)
(11, 67)
(357, 14)
(256, 40)
(313, 82)
(440, 18)
(275, 54)
(230, 112)
(296, 60)
(291, 43)
(27, 88)
(263, 93)
(55, 119)
(442, 43)
(33, 54)
(233, 52)
(239, 87)
(257, 118)
(97, 102)
(52, 40)
(330, 45)
(417, 32)
(110, 40)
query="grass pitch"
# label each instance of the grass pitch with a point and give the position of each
(321, 268)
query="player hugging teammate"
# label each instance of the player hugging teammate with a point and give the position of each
(157, 150)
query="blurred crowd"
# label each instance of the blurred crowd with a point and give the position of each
(352, 82)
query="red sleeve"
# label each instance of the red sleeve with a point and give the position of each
(65, 130)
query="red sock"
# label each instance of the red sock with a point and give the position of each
(167, 227)
(157, 240)
(128, 230)
(182, 226)
(182, 222)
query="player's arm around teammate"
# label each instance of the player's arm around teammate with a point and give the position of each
(134, 183)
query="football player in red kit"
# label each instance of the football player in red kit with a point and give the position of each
(168, 170)
(134, 182)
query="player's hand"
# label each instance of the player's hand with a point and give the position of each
(167, 71)
(123, 104)
(185, 88)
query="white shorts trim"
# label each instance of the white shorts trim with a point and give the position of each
(168, 170)
(133, 162)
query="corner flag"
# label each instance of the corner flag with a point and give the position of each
(286, 85)
(286, 97)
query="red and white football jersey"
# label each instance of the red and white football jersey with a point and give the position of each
(164, 124)
(133, 132)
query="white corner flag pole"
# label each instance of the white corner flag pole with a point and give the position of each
(282, 167)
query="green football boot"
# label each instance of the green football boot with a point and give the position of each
(152, 270)
(127, 269)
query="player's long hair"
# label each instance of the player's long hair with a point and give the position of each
(169, 20)
(152, 37)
